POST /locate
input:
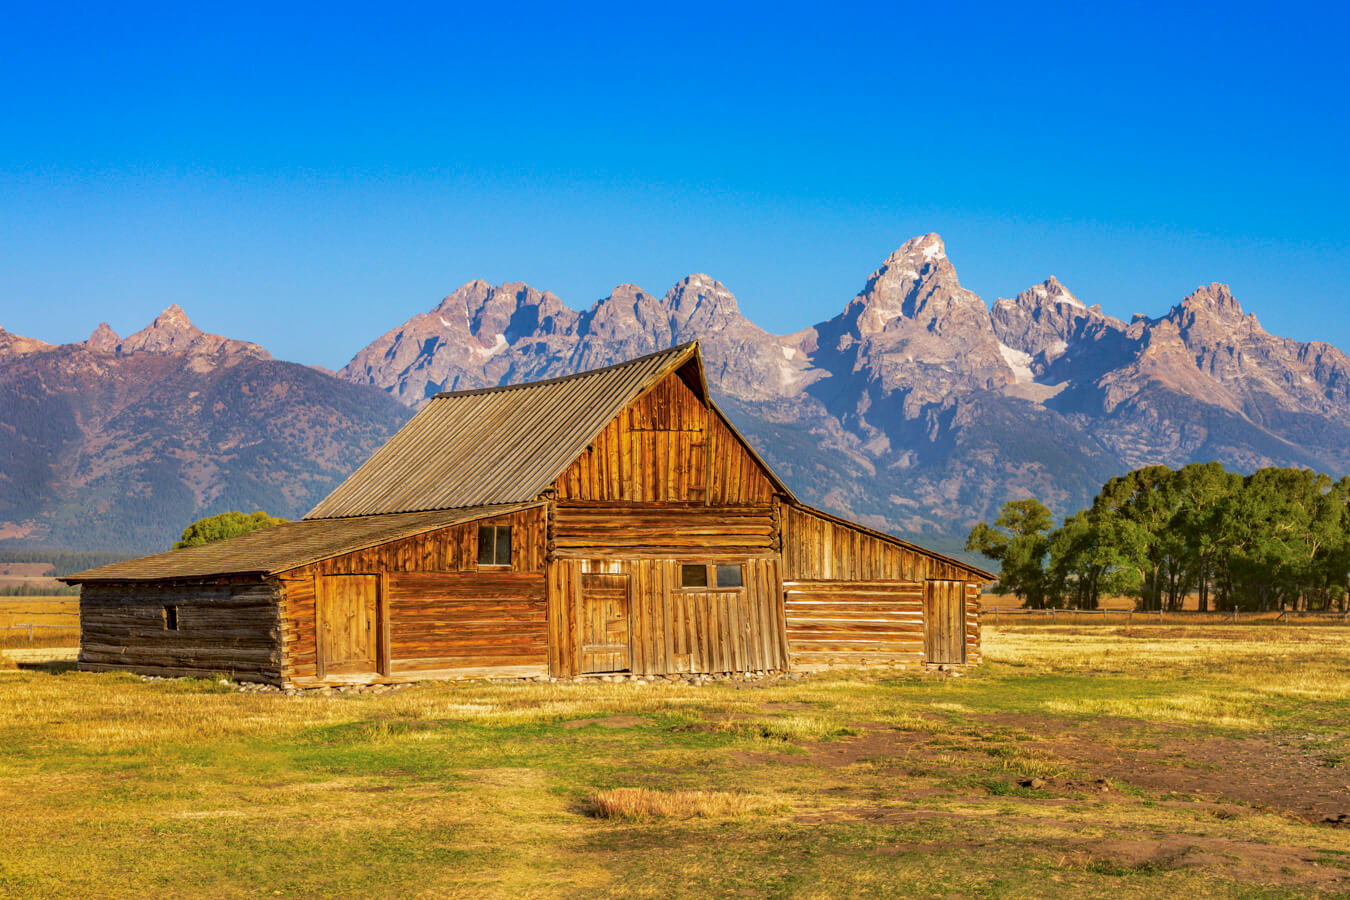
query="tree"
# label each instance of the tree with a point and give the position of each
(1203, 489)
(225, 525)
(1084, 565)
(1018, 541)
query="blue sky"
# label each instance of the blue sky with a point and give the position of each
(308, 178)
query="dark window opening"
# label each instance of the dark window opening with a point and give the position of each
(494, 545)
(693, 576)
(728, 576)
(170, 618)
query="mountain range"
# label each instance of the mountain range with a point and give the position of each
(917, 408)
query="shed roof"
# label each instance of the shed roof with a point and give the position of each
(504, 444)
(269, 551)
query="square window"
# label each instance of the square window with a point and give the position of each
(728, 576)
(170, 618)
(494, 545)
(693, 576)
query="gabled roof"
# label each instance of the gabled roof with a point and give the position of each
(899, 542)
(503, 444)
(270, 551)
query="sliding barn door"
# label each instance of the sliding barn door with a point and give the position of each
(347, 619)
(604, 623)
(944, 622)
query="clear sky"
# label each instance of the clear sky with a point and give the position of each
(309, 177)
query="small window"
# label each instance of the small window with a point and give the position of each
(494, 545)
(693, 576)
(170, 618)
(728, 576)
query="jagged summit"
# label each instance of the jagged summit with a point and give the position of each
(1216, 298)
(103, 339)
(1052, 290)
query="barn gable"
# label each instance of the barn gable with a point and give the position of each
(670, 445)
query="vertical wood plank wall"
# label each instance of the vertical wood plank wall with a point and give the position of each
(446, 615)
(673, 630)
(854, 598)
(224, 626)
(667, 446)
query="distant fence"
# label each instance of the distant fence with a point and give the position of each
(32, 628)
(997, 615)
(25, 611)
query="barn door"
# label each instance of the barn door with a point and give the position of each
(944, 622)
(604, 623)
(345, 621)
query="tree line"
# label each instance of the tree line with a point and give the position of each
(1277, 538)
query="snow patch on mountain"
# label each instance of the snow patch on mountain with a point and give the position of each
(1018, 361)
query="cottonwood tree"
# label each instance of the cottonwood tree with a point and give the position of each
(225, 525)
(1019, 541)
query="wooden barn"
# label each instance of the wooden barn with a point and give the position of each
(609, 521)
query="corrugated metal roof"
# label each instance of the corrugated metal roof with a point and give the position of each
(498, 445)
(270, 551)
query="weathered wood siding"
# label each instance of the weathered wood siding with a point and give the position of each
(667, 446)
(451, 549)
(854, 622)
(627, 531)
(446, 616)
(853, 597)
(973, 655)
(230, 627)
(674, 630)
(470, 621)
(818, 549)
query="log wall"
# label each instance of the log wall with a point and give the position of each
(446, 616)
(673, 630)
(854, 623)
(626, 531)
(229, 627)
(667, 446)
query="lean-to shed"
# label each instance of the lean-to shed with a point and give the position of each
(609, 521)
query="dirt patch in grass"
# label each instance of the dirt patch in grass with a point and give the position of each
(1072, 758)
(1258, 771)
(1246, 862)
(606, 722)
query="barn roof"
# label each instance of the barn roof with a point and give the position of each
(504, 444)
(899, 542)
(269, 551)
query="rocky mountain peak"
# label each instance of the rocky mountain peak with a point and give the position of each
(915, 282)
(1052, 290)
(700, 302)
(173, 332)
(13, 345)
(1215, 298)
(104, 339)
(925, 249)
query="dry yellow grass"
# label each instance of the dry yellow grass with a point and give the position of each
(637, 804)
(848, 783)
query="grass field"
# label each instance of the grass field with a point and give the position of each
(1195, 761)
